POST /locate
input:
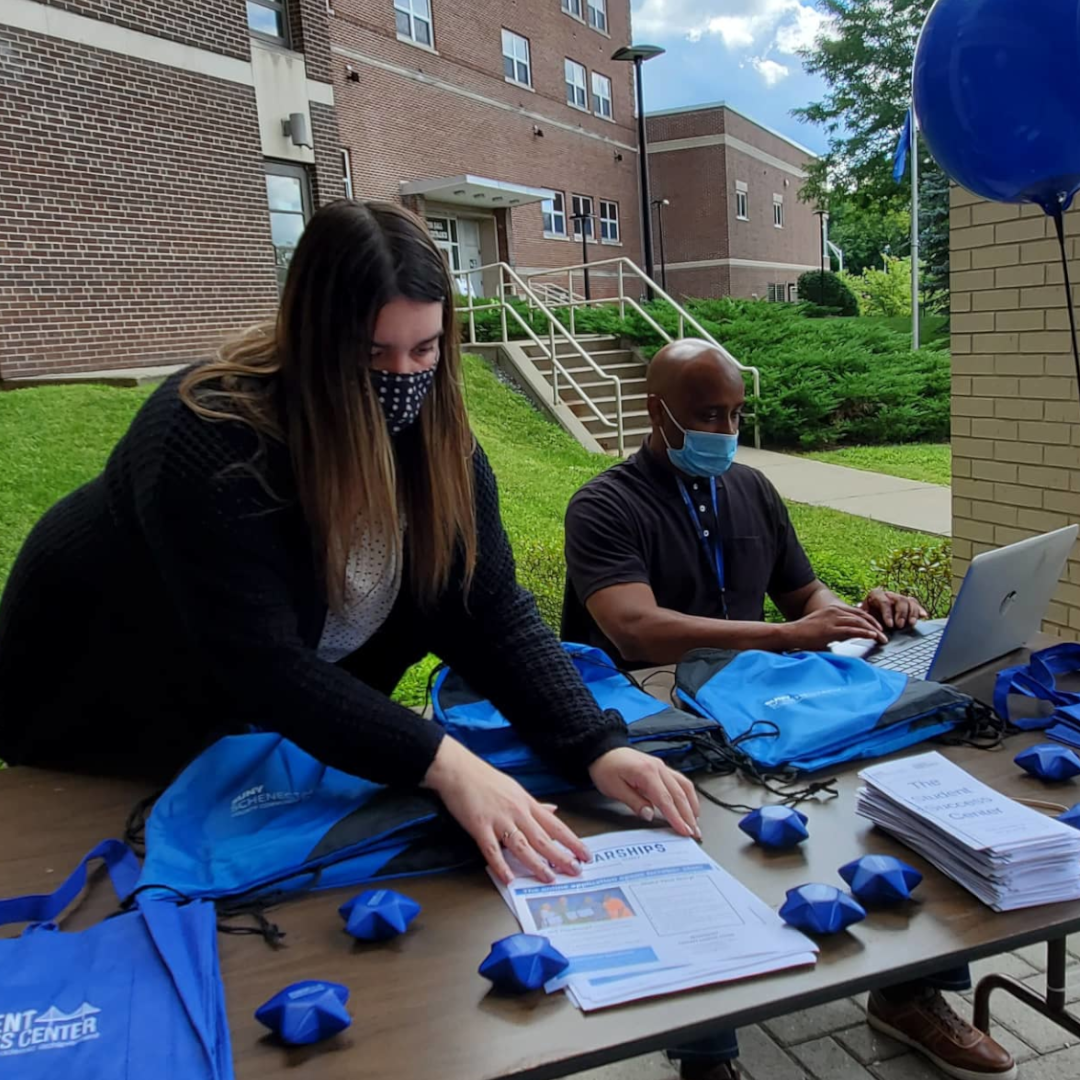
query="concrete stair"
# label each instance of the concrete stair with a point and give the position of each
(610, 355)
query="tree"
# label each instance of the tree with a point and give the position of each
(865, 60)
(885, 291)
(865, 235)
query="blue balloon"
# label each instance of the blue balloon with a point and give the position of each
(997, 97)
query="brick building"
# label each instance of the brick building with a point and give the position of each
(1015, 415)
(163, 159)
(734, 225)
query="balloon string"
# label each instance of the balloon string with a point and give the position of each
(1059, 222)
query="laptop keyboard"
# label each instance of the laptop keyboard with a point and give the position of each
(915, 660)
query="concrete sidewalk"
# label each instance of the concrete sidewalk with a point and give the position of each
(907, 503)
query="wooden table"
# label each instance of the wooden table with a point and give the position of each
(421, 1010)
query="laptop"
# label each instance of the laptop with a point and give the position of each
(1000, 606)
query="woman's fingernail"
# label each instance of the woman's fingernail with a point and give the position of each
(646, 813)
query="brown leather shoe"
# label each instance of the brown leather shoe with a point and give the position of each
(718, 1070)
(927, 1023)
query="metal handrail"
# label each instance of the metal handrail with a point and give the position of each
(685, 318)
(549, 350)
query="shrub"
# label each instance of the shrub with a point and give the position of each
(883, 292)
(488, 320)
(828, 290)
(922, 572)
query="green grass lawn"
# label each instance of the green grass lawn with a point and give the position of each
(55, 438)
(930, 463)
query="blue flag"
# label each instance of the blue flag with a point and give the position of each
(902, 148)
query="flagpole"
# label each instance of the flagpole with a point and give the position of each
(915, 342)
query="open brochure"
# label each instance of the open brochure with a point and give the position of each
(652, 914)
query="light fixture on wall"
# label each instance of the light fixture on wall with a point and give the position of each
(296, 128)
(351, 73)
(618, 157)
(538, 131)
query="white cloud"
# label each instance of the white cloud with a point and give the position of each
(770, 70)
(739, 24)
(803, 30)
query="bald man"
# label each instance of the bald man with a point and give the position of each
(676, 549)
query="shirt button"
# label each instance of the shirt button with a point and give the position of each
(695, 487)
(705, 532)
(701, 509)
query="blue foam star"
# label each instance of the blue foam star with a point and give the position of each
(775, 826)
(1049, 762)
(378, 914)
(306, 1012)
(880, 879)
(1071, 816)
(821, 909)
(522, 962)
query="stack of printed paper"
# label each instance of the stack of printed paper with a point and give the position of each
(652, 914)
(1010, 856)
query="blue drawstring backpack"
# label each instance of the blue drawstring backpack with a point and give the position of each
(1037, 680)
(799, 712)
(137, 995)
(255, 819)
(654, 727)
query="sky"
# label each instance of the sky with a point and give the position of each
(743, 52)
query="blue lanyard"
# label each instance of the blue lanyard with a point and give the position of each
(714, 549)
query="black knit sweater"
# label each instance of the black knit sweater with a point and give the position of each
(176, 597)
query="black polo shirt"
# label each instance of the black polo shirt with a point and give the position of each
(631, 524)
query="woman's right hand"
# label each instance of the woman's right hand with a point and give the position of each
(497, 812)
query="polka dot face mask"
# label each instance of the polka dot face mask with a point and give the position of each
(401, 395)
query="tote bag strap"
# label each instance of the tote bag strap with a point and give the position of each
(123, 869)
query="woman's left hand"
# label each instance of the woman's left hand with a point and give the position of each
(648, 787)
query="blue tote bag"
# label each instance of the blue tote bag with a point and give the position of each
(136, 996)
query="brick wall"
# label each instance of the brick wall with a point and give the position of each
(217, 25)
(702, 221)
(1015, 416)
(430, 131)
(133, 233)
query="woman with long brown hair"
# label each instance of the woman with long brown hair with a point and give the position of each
(279, 535)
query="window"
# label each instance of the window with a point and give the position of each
(583, 214)
(742, 204)
(516, 66)
(573, 7)
(290, 206)
(576, 93)
(778, 211)
(609, 221)
(414, 21)
(793, 292)
(346, 173)
(266, 19)
(601, 92)
(555, 215)
(780, 291)
(443, 231)
(598, 15)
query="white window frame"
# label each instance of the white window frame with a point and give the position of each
(346, 172)
(598, 15)
(609, 222)
(778, 211)
(578, 206)
(575, 9)
(742, 201)
(577, 93)
(281, 10)
(602, 99)
(416, 11)
(510, 50)
(557, 214)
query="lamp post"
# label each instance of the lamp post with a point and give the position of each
(637, 55)
(660, 204)
(581, 219)
(823, 216)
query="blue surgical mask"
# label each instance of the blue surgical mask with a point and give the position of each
(703, 453)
